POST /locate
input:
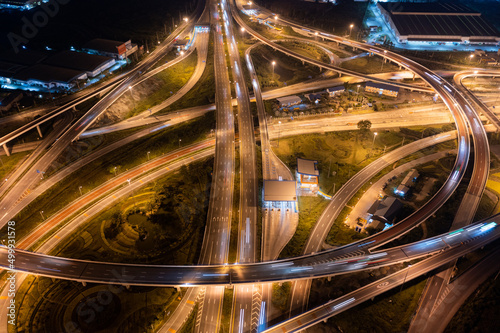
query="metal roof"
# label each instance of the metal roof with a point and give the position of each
(382, 86)
(276, 190)
(307, 167)
(289, 99)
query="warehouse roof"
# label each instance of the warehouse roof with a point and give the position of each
(382, 86)
(105, 45)
(47, 73)
(78, 60)
(289, 100)
(430, 7)
(275, 190)
(443, 25)
(23, 57)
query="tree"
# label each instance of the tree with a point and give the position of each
(364, 125)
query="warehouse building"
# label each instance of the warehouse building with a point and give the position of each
(20, 4)
(382, 89)
(91, 64)
(110, 48)
(48, 77)
(441, 23)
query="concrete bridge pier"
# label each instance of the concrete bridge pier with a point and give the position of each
(84, 283)
(39, 131)
(7, 152)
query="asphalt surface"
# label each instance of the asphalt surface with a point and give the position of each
(457, 249)
(245, 313)
(311, 266)
(437, 284)
(461, 111)
(215, 245)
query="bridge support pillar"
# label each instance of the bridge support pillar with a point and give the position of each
(127, 286)
(84, 283)
(7, 152)
(74, 108)
(280, 284)
(400, 67)
(178, 289)
(413, 76)
(39, 131)
(229, 286)
(329, 278)
(325, 320)
(340, 74)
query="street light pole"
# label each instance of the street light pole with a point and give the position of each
(350, 30)
(132, 95)
(273, 63)
(80, 189)
(180, 142)
(279, 132)
(41, 213)
(148, 155)
(114, 169)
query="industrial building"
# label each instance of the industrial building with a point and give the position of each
(335, 90)
(91, 64)
(110, 48)
(20, 4)
(437, 22)
(382, 89)
(47, 77)
(289, 100)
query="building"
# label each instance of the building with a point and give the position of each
(314, 98)
(20, 4)
(110, 48)
(407, 183)
(437, 22)
(91, 64)
(382, 89)
(48, 77)
(385, 210)
(307, 174)
(280, 190)
(335, 90)
(23, 57)
(289, 100)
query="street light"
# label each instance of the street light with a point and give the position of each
(41, 213)
(80, 189)
(470, 58)
(273, 63)
(350, 30)
(182, 53)
(186, 19)
(180, 142)
(357, 89)
(128, 180)
(242, 32)
(275, 19)
(279, 132)
(148, 155)
(114, 169)
(374, 137)
(132, 95)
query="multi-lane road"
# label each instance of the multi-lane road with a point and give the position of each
(216, 241)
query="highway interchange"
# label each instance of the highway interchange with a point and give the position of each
(216, 241)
